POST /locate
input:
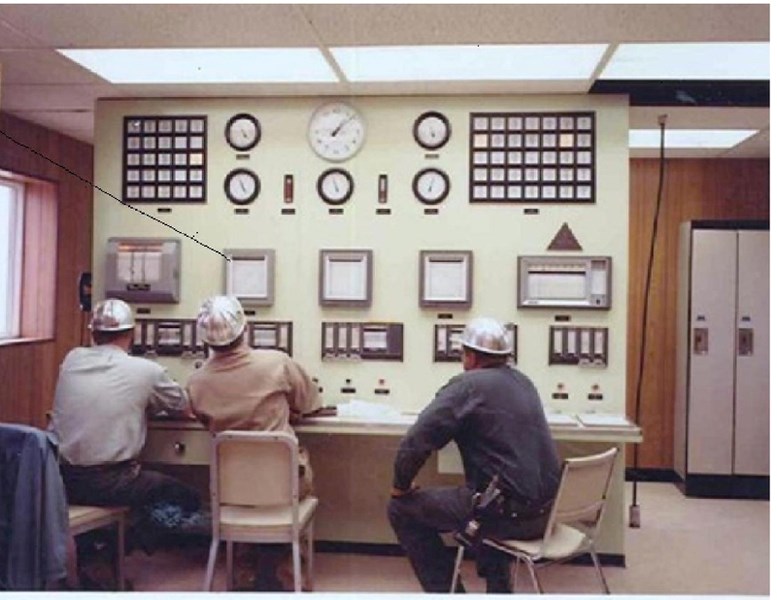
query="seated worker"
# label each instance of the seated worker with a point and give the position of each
(241, 388)
(494, 415)
(102, 401)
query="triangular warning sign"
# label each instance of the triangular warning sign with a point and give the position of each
(565, 240)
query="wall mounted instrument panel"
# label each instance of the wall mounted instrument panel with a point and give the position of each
(578, 345)
(143, 269)
(165, 159)
(447, 341)
(367, 341)
(178, 337)
(532, 157)
(564, 282)
(250, 276)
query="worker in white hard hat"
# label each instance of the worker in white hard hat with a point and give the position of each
(494, 414)
(101, 404)
(250, 389)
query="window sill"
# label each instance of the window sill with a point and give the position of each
(22, 341)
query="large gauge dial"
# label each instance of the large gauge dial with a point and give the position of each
(335, 186)
(336, 131)
(431, 186)
(432, 130)
(243, 132)
(242, 186)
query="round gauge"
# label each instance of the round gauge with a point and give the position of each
(243, 132)
(336, 131)
(335, 186)
(431, 186)
(242, 186)
(432, 130)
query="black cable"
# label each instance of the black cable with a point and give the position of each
(634, 522)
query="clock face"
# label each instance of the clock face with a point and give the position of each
(432, 130)
(431, 186)
(241, 186)
(243, 132)
(335, 186)
(336, 131)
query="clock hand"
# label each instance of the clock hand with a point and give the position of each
(337, 129)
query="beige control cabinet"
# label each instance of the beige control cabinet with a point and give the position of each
(722, 404)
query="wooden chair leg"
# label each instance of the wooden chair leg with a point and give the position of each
(120, 552)
(533, 574)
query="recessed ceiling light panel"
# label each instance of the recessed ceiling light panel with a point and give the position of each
(682, 61)
(469, 62)
(205, 65)
(689, 138)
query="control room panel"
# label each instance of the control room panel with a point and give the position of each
(361, 234)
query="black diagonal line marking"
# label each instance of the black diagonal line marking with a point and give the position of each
(119, 200)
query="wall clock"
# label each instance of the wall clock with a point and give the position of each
(242, 186)
(335, 186)
(432, 130)
(431, 186)
(336, 131)
(243, 132)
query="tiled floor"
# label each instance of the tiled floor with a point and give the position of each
(684, 546)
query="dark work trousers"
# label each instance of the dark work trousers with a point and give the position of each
(418, 519)
(127, 484)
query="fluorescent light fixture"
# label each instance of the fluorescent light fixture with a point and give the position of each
(469, 62)
(689, 138)
(715, 60)
(206, 65)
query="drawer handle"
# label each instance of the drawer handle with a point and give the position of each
(179, 447)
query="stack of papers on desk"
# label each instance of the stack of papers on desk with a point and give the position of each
(373, 412)
(561, 420)
(603, 420)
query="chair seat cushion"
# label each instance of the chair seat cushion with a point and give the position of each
(565, 540)
(238, 521)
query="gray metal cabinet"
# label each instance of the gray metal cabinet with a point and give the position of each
(722, 393)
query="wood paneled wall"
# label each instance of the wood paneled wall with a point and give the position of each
(28, 371)
(693, 189)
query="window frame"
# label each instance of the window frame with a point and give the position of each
(10, 323)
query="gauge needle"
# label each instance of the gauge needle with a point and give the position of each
(337, 129)
(243, 185)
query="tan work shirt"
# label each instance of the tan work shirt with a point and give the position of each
(260, 390)
(251, 390)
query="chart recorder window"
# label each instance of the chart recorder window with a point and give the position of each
(28, 233)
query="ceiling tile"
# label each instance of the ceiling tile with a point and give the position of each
(161, 25)
(43, 66)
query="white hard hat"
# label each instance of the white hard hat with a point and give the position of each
(112, 315)
(486, 335)
(221, 320)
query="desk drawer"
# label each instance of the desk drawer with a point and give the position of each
(177, 447)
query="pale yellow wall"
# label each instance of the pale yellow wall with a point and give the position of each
(496, 234)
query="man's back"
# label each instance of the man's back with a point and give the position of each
(100, 404)
(250, 389)
(504, 431)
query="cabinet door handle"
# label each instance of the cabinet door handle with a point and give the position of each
(745, 341)
(700, 340)
(179, 448)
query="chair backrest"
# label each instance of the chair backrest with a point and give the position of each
(582, 491)
(254, 468)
